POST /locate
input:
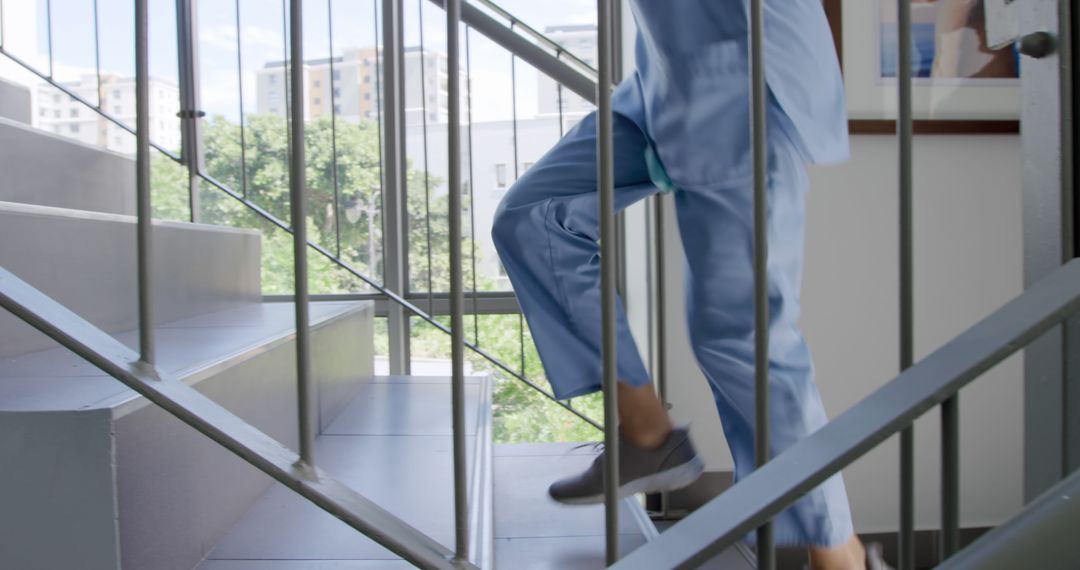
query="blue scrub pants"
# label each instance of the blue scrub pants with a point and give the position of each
(546, 231)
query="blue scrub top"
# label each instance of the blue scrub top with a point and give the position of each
(691, 92)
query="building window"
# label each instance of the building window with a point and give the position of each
(73, 127)
(56, 98)
(118, 141)
(273, 80)
(367, 79)
(337, 109)
(317, 101)
(117, 109)
(56, 113)
(500, 175)
(41, 112)
(337, 92)
(116, 93)
(74, 112)
(367, 96)
(337, 75)
(318, 83)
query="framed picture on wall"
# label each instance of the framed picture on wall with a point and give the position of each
(959, 84)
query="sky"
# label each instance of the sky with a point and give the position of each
(352, 24)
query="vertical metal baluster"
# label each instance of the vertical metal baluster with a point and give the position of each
(48, 32)
(521, 342)
(285, 70)
(2, 34)
(766, 552)
(906, 556)
(457, 301)
(190, 130)
(513, 105)
(395, 234)
(558, 94)
(142, 183)
(97, 49)
(661, 315)
(378, 128)
(240, 84)
(472, 185)
(333, 130)
(950, 477)
(427, 177)
(298, 201)
(606, 189)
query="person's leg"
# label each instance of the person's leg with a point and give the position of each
(717, 230)
(546, 231)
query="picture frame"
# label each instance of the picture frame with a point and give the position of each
(949, 105)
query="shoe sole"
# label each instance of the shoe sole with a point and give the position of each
(674, 478)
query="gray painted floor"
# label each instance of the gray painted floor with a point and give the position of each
(391, 444)
(532, 532)
(57, 379)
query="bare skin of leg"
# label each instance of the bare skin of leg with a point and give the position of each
(643, 420)
(849, 556)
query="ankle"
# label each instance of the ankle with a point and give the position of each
(648, 436)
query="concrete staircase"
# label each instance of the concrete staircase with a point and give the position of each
(94, 476)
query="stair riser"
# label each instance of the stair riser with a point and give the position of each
(178, 492)
(88, 263)
(50, 170)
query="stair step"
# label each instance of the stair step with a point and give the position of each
(86, 261)
(392, 444)
(91, 178)
(164, 491)
(533, 532)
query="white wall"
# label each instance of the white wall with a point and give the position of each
(967, 263)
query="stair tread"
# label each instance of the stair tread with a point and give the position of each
(533, 532)
(57, 379)
(409, 475)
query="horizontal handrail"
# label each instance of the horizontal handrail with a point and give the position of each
(534, 55)
(764, 493)
(192, 407)
(539, 36)
(282, 225)
(1043, 535)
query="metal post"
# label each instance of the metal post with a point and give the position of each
(142, 183)
(298, 202)
(457, 298)
(766, 551)
(606, 179)
(190, 126)
(395, 258)
(950, 477)
(906, 556)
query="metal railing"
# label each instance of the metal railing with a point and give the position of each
(747, 507)
(931, 382)
(394, 289)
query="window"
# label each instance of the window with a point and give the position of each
(56, 98)
(56, 113)
(273, 80)
(116, 93)
(337, 109)
(367, 79)
(117, 109)
(500, 175)
(337, 92)
(367, 96)
(337, 75)
(317, 101)
(41, 112)
(74, 112)
(74, 127)
(318, 83)
(118, 141)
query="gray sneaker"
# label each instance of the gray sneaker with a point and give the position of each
(673, 465)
